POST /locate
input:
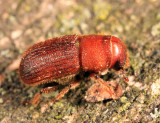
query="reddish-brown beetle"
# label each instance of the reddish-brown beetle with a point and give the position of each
(61, 59)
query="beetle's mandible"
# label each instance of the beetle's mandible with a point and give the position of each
(61, 59)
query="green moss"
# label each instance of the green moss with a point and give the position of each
(123, 99)
(124, 107)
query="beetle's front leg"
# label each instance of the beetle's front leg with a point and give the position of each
(103, 90)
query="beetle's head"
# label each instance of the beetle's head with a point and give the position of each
(119, 58)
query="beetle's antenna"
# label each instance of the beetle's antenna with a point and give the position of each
(124, 76)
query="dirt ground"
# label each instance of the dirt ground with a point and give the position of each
(136, 22)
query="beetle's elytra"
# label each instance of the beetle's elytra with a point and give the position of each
(61, 59)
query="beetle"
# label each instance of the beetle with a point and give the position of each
(61, 59)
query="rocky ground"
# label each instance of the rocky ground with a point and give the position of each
(136, 22)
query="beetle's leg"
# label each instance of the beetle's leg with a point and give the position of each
(124, 76)
(103, 72)
(72, 85)
(45, 90)
(111, 89)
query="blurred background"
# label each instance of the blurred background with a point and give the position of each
(136, 22)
